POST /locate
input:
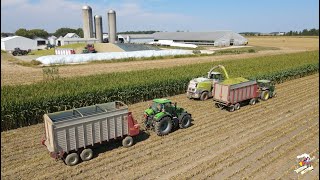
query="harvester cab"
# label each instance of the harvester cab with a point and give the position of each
(201, 88)
(215, 76)
(266, 89)
(163, 116)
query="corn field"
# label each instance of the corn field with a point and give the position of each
(25, 105)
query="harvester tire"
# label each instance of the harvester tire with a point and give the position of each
(204, 96)
(86, 154)
(265, 95)
(72, 159)
(127, 141)
(163, 126)
(252, 101)
(185, 122)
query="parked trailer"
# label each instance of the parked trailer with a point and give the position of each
(232, 95)
(70, 135)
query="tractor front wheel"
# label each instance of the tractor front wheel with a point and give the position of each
(185, 122)
(163, 126)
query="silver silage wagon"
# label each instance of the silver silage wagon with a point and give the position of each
(70, 135)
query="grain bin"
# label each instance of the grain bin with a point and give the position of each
(98, 28)
(112, 26)
(87, 22)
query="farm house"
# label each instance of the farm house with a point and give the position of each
(9, 43)
(216, 38)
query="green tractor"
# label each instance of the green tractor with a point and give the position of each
(267, 89)
(163, 116)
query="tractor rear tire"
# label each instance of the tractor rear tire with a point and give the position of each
(86, 154)
(127, 142)
(72, 159)
(253, 101)
(185, 122)
(265, 95)
(163, 126)
(204, 96)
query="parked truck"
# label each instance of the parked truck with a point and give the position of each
(202, 87)
(232, 93)
(70, 135)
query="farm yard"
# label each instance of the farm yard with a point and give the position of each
(12, 73)
(256, 142)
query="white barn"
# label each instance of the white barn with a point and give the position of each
(216, 38)
(9, 43)
(52, 40)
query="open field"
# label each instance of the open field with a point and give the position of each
(285, 42)
(257, 142)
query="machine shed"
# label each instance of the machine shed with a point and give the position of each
(9, 43)
(216, 38)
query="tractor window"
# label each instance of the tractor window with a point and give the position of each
(157, 107)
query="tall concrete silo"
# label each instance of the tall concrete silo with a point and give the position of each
(112, 26)
(87, 22)
(98, 28)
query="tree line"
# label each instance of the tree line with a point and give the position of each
(305, 32)
(33, 33)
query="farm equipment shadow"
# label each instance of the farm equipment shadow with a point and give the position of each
(114, 144)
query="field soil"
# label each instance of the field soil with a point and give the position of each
(255, 142)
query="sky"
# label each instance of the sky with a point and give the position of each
(165, 15)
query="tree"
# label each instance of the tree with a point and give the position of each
(32, 33)
(39, 33)
(80, 32)
(23, 32)
(64, 31)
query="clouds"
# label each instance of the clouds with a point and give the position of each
(51, 15)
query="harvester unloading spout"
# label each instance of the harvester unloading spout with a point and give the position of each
(219, 66)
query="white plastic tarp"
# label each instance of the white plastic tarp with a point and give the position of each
(82, 58)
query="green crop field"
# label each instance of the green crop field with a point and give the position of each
(24, 105)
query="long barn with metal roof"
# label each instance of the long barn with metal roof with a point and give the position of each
(216, 38)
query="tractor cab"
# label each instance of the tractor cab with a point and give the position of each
(161, 105)
(265, 84)
(215, 76)
(266, 88)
